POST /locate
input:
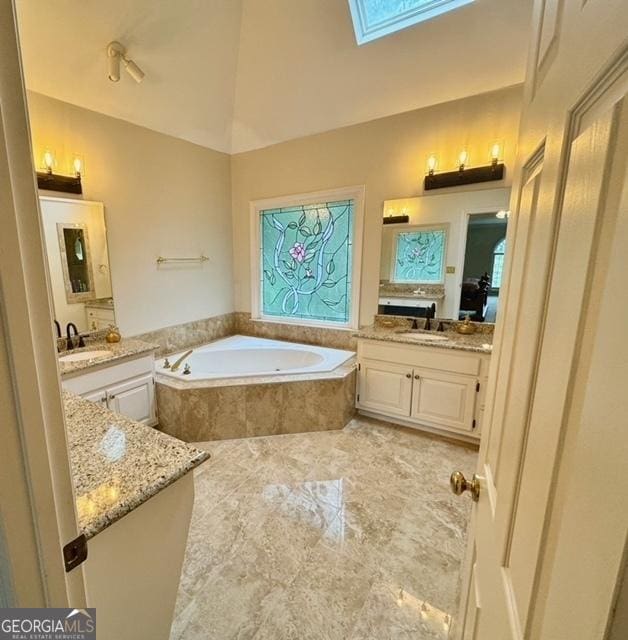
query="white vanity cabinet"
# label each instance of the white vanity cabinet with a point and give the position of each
(436, 389)
(126, 387)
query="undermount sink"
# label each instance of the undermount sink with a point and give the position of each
(84, 355)
(430, 337)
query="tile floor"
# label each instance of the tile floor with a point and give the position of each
(347, 535)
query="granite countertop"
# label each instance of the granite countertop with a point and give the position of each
(117, 464)
(116, 351)
(477, 342)
(414, 296)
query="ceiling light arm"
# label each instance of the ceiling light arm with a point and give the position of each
(116, 53)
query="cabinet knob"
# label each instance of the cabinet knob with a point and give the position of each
(416, 376)
(408, 375)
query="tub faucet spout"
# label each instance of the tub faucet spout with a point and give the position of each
(177, 364)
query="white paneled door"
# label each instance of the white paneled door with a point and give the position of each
(555, 441)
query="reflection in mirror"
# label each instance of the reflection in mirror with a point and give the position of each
(78, 263)
(483, 266)
(425, 261)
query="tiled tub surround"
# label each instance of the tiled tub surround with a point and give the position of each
(338, 535)
(242, 407)
(118, 464)
(322, 336)
(191, 334)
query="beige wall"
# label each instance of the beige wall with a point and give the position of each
(162, 196)
(300, 71)
(387, 155)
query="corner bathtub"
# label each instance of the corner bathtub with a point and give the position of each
(245, 356)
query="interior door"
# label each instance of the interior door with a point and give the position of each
(553, 333)
(444, 399)
(385, 387)
(133, 399)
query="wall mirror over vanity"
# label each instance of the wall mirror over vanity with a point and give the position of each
(441, 261)
(442, 255)
(75, 233)
(117, 376)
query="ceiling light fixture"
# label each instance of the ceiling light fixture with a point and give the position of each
(116, 53)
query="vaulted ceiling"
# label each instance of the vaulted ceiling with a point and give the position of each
(235, 75)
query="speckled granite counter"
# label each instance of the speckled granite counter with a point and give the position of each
(414, 296)
(478, 342)
(118, 464)
(116, 351)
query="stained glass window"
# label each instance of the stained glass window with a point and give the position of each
(498, 264)
(306, 261)
(420, 256)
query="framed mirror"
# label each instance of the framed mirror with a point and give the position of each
(75, 234)
(76, 261)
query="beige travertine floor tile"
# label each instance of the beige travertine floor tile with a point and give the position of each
(333, 535)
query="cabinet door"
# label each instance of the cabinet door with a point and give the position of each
(385, 387)
(133, 398)
(443, 399)
(99, 397)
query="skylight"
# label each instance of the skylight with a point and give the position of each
(374, 19)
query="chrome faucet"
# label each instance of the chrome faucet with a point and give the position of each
(177, 364)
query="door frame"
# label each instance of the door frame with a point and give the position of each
(37, 507)
(465, 217)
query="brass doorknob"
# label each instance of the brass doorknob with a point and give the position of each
(459, 484)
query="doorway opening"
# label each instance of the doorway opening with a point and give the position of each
(483, 266)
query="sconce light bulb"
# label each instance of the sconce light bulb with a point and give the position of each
(78, 166)
(463, 159)
(502, 214)
(48, 161)
(495, 149)
(431, 164)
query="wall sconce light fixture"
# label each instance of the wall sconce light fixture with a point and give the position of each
(54, 182)
(432, 163)
(463, 159)
(392, 217)
(465, 175)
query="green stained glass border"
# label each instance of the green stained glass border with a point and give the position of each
(306, 261)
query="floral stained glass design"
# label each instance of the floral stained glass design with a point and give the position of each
(306, 261)
(420, 256)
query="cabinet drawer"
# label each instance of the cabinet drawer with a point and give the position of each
(420, 356)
